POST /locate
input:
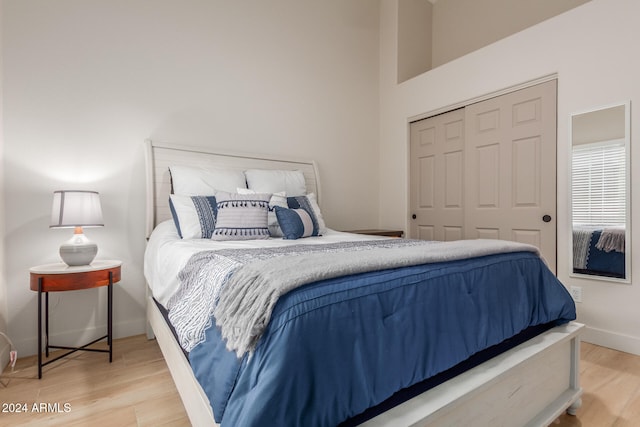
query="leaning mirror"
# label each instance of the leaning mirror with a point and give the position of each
(600, 189)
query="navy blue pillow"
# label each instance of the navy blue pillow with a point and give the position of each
(297, 223)
(174, 214)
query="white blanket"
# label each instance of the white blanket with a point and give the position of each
(166, 254)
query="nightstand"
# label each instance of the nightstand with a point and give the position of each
(61, 277)
(378, 232)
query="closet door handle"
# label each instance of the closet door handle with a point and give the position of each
(546, 218)
(414, 216)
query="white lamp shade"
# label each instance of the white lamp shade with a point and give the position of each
(72, 208)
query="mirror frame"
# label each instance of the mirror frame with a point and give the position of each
(627, 147)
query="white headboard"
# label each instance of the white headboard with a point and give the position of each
(159, 156)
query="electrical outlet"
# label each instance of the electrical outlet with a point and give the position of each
(576, 293)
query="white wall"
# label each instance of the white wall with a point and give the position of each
(462, 26)
(592, 48)
(86, 82)
(414, 38)
(4, 346)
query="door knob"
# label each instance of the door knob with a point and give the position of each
(414, 216)
(546, 218)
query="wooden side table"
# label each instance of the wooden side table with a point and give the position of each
(378, 232)
(61, 277)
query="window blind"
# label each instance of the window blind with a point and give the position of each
(598, 184)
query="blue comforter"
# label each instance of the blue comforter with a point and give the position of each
(602, 263)
(337, 347)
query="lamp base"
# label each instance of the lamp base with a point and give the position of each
(78, 250)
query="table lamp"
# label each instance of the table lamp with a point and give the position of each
(77, 209)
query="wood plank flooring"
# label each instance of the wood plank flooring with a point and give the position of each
(611, 383)
(137, 389)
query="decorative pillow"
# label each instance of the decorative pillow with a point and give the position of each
(194, 216)
(273, 181)
(190, 181)
(296, 223)
(241, 216)
(310, 203)
(277, 199)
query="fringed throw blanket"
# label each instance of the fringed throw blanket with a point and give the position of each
(612, 239)
(240, 287)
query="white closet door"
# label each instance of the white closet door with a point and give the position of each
(437, 177)
(510, 165)
(488, 171)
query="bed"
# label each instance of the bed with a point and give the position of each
(531, 383)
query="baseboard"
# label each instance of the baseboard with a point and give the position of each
(616, 341)
(29, 346)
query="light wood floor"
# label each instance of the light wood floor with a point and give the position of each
(137, 389)
(611, 383)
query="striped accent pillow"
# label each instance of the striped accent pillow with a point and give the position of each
(241, 216)
(297, 223)
(277, 199)
(310, 204)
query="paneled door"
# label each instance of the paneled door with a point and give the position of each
(511, 168)
(499, 182)
(437, 177)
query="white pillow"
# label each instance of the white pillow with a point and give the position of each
(277, 199)
(316, 210)
(274, 181)
(194, 216)
(191, 181)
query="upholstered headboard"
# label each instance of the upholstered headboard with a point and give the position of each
(159, 156)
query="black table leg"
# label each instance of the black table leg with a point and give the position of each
(46, 323)
(110, 316)
(40, 328)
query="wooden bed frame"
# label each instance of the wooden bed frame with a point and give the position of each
(531, 384)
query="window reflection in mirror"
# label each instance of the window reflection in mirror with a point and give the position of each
(600, 193)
